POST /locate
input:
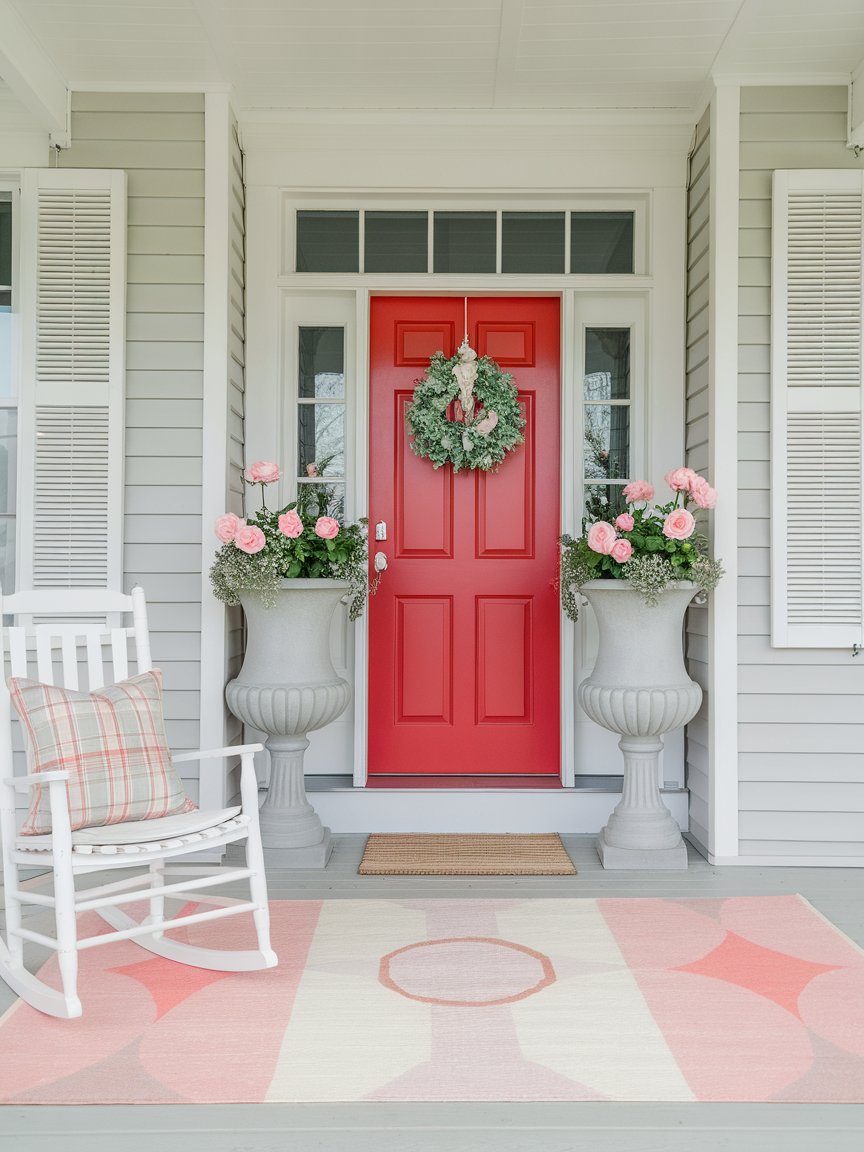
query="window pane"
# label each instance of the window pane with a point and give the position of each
(604, 501)
(532, 242)
(322, 439)
(464, 242)
(5, 294)
(5, 240)
(322, 363)
(7, 552)
(328, 241)
(601, 242)
(8, 460)
(607, 441)
(607, 364)
(396, 242)
(323, 499)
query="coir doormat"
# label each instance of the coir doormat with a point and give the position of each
(456, 854)
(740, 999)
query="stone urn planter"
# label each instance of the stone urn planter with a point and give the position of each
(640, 689)
(288, 687)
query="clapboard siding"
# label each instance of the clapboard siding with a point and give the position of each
(697, 449)
(801, 725)
(159, 139)
(236, 394)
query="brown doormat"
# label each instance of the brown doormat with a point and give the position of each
(450, 854)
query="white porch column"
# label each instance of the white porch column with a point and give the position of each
(723, 441)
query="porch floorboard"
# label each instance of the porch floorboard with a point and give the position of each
(460, 1127)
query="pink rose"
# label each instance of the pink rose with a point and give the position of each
(250, 539)
(622, 550)
(326, 527)
(680, 479)
(290, 525)
(679, 524)
(702, 494)
(638, 490)
(227, 527)
(312, 469)
(262, 472)
(601, 537)
(624, 522)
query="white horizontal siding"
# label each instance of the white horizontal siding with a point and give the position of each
(696, 441)
(697, 450)
(236, 447)
(801, 730)
(159, 139)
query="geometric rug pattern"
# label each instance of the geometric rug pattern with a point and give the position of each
(735, 999)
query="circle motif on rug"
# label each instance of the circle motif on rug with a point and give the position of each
(488, 419)
(466, 971)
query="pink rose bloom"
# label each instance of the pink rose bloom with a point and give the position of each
(250, 539)
(326, 527)
(638, 490)
(679, 524)
(290, 525)
(622, 550)
(624, 522)
(227, 527)
(702, 494)
(680, 479)
(262, 472)
(601, 537)
(312, 469)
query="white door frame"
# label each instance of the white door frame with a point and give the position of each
(663, 290)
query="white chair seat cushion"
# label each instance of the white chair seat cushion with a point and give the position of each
(136, 831)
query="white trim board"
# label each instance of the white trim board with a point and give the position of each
(217, 221)
(350, 810)
(723, 420)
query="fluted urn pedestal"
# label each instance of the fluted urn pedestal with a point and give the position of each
(287, 688)
(640, 689)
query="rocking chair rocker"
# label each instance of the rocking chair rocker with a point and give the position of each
(62, 648)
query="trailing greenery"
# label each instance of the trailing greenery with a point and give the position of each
(308, 555)
(649, 547)
(464, 445)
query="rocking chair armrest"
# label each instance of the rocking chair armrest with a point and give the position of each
(22, 783)
(217, 753)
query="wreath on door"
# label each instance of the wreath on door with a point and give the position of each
(486, 422)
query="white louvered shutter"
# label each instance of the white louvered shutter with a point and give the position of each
(73, 281)
(817, 567)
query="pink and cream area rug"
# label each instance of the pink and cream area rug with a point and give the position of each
(752, 998)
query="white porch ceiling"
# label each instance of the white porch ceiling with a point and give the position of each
(282, 55)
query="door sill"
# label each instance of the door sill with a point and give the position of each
(407, 783)
(444, 780)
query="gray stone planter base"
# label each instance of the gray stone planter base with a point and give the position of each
(312, 856)
(641, 859)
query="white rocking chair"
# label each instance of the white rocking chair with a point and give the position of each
(63, 647)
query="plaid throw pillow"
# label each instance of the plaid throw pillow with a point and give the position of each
(112, 742)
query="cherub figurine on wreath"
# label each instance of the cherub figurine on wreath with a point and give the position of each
(488, 419)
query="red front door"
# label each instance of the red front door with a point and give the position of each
(464, 629)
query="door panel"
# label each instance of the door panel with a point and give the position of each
(464, 629)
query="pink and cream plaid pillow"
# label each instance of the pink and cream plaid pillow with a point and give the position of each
(112, 742)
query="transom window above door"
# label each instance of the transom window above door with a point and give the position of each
(525, 242)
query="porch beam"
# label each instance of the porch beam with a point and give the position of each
(723, 436)
(32, 76)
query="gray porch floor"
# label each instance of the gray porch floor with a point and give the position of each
(481, 1127)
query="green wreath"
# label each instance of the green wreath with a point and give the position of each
(486, 402)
